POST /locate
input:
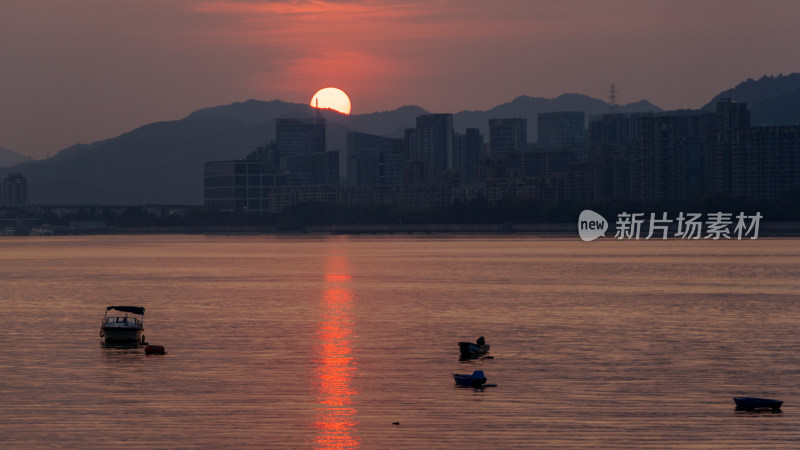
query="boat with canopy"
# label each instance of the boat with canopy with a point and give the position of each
(123, 325)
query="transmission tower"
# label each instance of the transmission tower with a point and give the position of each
(612, 96)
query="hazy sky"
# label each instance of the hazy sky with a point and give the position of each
(82, 70)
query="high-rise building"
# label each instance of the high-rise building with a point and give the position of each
(467, 153)
(669, 162)
(562, 131)
(313, 169)
(268, 155)
(771, 162)
(725, 149)
(614, 131)
(433, 145)
(374, 159)
(732, 115)
(300, 136)
(611, 142)
(14, 189)
(507, 135)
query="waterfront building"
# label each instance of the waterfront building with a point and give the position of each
(374, 159)
(299, 136)
(313, 168)
(268, 155)
(669, 161)
(507, 135)
(14, 189)
(467, 153)
(233, 186)
(433, 144)
(562, 131)
(725, 149)
(770, 163)
(612, 140)
(732, 115)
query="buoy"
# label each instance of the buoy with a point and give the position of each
(154, 350)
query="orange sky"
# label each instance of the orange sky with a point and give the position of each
(84, 70)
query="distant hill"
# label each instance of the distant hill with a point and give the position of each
(250, 111)
(780, 110)
(9, 158)
(384, 123)
(772, 100)
(393, 123)
(162, 162)
(157, 163)
(530, 107)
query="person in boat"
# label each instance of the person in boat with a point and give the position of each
(481, 341)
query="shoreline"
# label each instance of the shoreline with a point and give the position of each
(766, 229)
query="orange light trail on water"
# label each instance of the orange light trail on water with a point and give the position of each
(336, 415)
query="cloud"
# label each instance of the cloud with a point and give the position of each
(375, 47)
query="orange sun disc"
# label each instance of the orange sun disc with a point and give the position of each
(332, 98)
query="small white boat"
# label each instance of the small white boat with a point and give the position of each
(123, 325)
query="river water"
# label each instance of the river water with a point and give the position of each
(327, 341)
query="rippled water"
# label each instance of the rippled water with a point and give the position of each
(324, 342)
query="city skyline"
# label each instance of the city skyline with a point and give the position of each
(90, 73)
(670, 156)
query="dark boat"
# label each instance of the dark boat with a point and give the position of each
(154, 350)
(755, 404)
(123, 327)
(471, 350)
(476, 380)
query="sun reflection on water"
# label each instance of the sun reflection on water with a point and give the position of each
(335, 366)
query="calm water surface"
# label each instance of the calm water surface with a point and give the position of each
(324, 342)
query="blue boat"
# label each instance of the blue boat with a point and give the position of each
(476, 380)
(755, 403)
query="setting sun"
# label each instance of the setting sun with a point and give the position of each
(332, 98)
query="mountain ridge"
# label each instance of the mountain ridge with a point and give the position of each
(772, 100)
(9, 158)
(162, 162)
(524, 106)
